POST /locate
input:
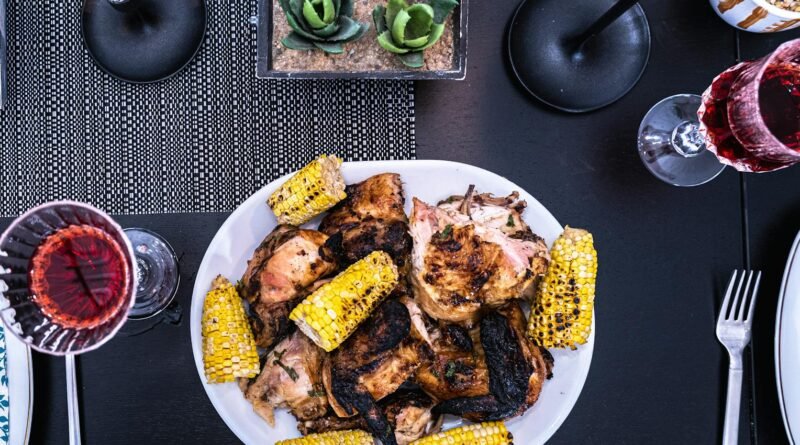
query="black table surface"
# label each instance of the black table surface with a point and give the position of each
(658, 374)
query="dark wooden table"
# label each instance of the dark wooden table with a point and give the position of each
(658, 374)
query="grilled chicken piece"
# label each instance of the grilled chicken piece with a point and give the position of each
(458, 368)
(290, 378)
(502, 213)
(497, 380)
(379, 357)
(370, 218)
(462, 265)
(409, 412)
(286, 263)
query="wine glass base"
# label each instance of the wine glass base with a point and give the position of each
(657, 137)
(149, 44)
(156, 272)
(577, 81)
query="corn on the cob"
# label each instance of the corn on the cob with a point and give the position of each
(348, 437)
(488, 433)
(561, 316)
(229, 350)
(314, 189)
(331, 313)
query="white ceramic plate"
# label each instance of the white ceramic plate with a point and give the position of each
(787, 344)
(430, 181)
(20, 389)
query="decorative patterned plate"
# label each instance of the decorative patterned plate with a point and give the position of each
(430, 181)
(16, 390)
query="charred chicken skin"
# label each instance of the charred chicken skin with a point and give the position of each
(290, 378)
(497, 378)
(370, 218)
(408, 411)
(282, 267)
(374, 362)
(464, 262)
(458, 367)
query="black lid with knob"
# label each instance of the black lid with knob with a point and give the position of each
(143, 41)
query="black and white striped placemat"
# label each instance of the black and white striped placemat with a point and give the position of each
(201, 141)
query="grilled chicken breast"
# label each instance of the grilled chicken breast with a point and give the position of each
(461, 264)
(370, 218)
(497, 379)
(290, 378)
(374, 362)
(408, 411)
(282, 267)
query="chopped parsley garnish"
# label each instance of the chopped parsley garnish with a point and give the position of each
(510, 222)
(289, 370)
(317, 392)
(448, 229)
(451, 370)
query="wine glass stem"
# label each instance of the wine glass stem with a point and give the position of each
(72, 402)
(686, 139)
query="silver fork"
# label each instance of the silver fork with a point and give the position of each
(733, 331)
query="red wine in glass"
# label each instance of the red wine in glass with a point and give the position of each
(69, 272)
(748, 118)
(717, 129)
(763, 112)
(78, 276)
(779, 100)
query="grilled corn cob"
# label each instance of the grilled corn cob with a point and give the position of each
(561, 316)
(314, 189)
(488, 433)
(229, 350)
(348, 437)
(331, 313)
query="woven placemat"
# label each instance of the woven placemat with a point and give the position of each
(202, 141)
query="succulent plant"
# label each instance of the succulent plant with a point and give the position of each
(407, 30)
(321, 24)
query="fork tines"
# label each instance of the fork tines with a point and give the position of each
(744, 298)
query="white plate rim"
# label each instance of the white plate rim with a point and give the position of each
(792, 263)
(200, 289)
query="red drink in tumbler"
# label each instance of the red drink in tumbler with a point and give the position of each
(750, 114)
(779, 100)
(79, 276)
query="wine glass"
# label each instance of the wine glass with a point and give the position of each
(671, 146)
(69, 281)
(71, 276)
(748, 118)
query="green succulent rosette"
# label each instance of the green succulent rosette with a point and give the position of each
(407, 30)
(321, 24)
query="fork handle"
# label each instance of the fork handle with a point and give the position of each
(730, 435)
